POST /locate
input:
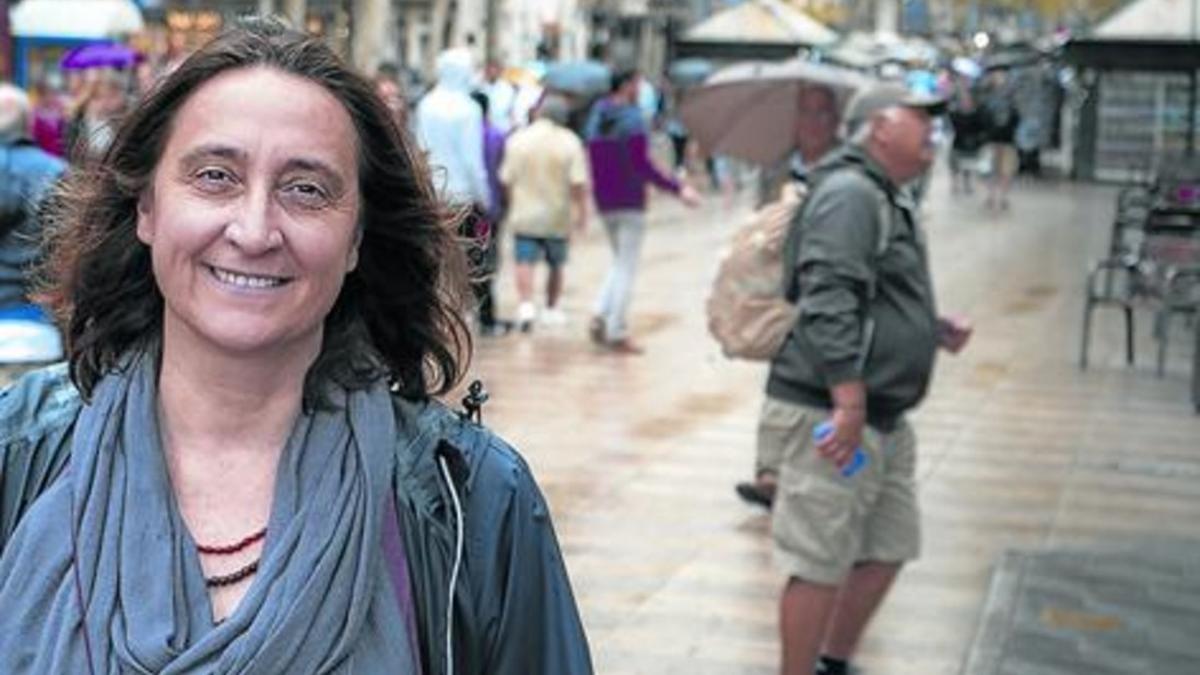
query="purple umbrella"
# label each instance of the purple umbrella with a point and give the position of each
(103, 55)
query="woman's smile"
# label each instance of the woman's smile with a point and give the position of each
(247, 281)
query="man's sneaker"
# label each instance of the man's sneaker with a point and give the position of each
(825, 668)
(526, 313)
(757, 494)
(553, 317)
(497, 328)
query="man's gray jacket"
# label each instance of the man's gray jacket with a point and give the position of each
(855, 261)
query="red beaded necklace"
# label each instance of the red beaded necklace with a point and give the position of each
(239, 574)
(230, 549)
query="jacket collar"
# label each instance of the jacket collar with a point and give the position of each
(851, 155)
(430, 430)
(854, 154)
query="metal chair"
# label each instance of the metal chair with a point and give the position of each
(1103, 290)
(1116, 281)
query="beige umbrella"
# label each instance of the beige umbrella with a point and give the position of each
(749, 110)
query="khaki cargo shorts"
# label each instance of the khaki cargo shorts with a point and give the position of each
(823, 522)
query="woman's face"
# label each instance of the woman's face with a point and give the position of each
(251, 215)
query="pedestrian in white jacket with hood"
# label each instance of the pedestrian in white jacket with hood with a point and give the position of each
(450, 128)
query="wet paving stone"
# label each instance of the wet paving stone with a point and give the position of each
(1019, 449)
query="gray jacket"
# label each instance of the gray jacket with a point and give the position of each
(514, 612)
(867, 307)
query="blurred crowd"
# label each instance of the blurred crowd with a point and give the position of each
(479, 120)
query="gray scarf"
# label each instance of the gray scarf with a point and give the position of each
(320, 602)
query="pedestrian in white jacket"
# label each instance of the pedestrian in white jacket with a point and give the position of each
(450, 128)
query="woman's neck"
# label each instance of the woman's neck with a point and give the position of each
(221, 403)
(225, 419)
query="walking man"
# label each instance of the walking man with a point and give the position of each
(860, 357)
(618, 148)
(545, 174)
(816, 136)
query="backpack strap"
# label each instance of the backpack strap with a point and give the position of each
(887, 227)
(887, 211)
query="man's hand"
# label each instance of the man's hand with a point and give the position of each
(849, 418)
(953, 333)
(839, 446)
(689, 196)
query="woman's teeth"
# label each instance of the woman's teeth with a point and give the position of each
(245, 280)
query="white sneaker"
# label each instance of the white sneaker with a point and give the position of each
(526, 313)
(553, 316)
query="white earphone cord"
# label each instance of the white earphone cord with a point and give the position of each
(458, 552)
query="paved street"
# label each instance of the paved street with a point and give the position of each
(1019, 449)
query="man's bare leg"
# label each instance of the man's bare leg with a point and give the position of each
(804, 612)
(524, 277)
(554, 285)
(857, 601)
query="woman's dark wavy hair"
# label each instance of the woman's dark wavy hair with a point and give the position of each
(399, 312)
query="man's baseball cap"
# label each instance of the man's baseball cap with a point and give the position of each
(874, 98)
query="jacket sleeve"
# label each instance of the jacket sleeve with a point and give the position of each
(36, 415)
(530, 623)
(835, 265)
(639, 153)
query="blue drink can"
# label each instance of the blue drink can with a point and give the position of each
(857, 461)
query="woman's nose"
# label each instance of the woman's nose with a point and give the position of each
(254, 228)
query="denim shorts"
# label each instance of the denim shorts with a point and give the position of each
(529, 250)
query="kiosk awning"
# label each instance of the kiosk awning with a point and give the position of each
(77, 19)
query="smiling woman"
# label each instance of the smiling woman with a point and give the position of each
(246, 470)
(249, 222)
(196, 139)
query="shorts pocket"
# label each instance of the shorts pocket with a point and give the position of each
(815, 522)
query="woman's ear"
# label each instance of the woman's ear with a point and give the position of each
(145, 216)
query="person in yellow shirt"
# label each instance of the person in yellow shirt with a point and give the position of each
(545, 174)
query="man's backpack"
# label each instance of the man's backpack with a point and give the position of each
(748, 312)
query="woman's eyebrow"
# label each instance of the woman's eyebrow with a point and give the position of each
(212, 151)
(311, 165)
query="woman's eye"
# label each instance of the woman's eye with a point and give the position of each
(308, 194)
(213, 177)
